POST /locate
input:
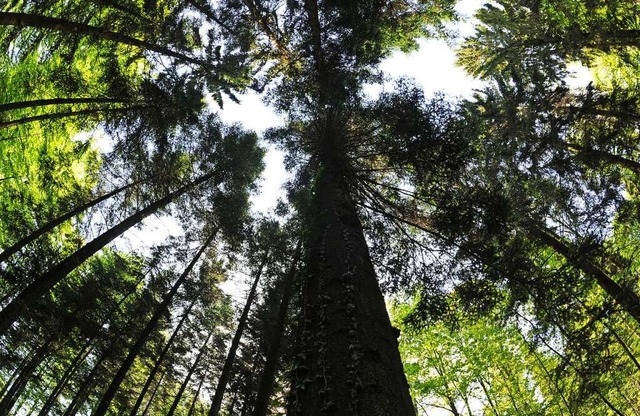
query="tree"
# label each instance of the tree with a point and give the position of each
(509, 217)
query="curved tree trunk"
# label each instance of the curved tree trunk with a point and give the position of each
(225, 375)
(109, 394)
(45, 22)
(45, 282)
(265, 388)
(19, 245)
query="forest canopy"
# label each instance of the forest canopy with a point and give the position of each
(433, 255)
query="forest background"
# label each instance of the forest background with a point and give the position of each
(501, 226)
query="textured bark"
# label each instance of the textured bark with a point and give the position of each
(187, 379)
(19, 245)
(349, 361)
(44, 22)
(135, 350)
(265, 388)
(42, 284)
(225, 374)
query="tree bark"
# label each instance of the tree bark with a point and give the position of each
(160, 359)
(265, 388)
(186, 380)
(225, 375)
(44, 22)
(349, 361)
(19, 245)
(103, 406)
(45, 282)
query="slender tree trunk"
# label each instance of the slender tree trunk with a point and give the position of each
(19, 245)
(103, 406)
(626, 298)
(607, 157)
(65, 114)
(84, 390)
(84, 352)
(186, 380)
(44, 22)
(17, 370)
(58, 101)
(349, 361)
(45, 282)
(13, 393)
(60, 385)
(192, 408)
(160, 359)
(153, 395)
(225, 375)
(265, 388)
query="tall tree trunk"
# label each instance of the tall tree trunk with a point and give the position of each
(45, 282)
(84, 352)
(84, 390)
(349, 361)
(58, 101)
(19, 245)
(626, 298)
(153, 395)
(192, 408)
(65, 114)
(103, 406)
(60, 385)
(265, 388)
(13, 393)
(186, 380)
(44, 22)
(225, 375)
(160, 359)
